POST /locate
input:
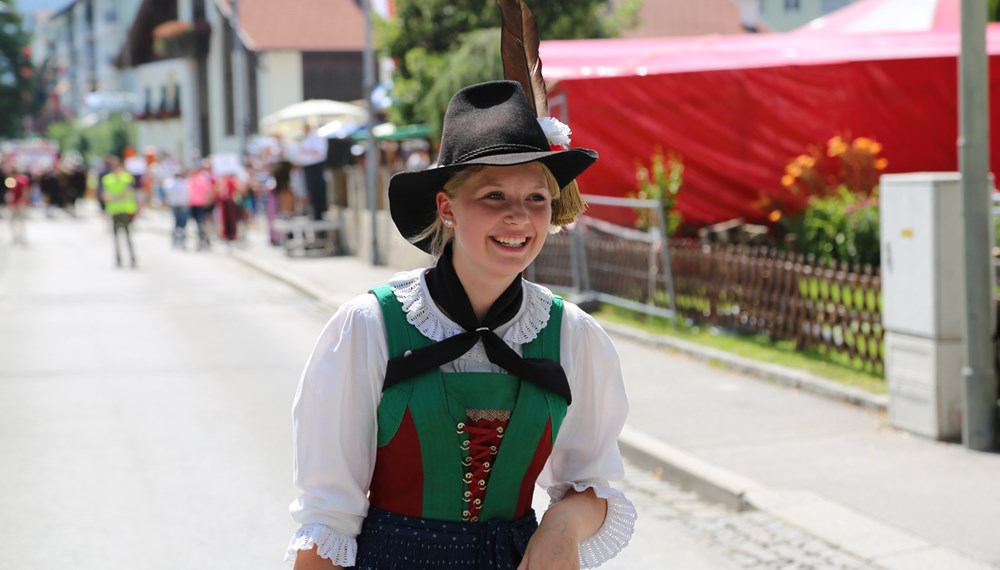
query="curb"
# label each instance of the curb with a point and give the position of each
(881, 545)
(773, 372)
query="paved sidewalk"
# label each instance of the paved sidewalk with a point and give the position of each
(823, 460)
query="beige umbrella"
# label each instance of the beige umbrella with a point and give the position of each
(289, 121)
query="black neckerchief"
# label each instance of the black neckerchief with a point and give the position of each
(446, 290)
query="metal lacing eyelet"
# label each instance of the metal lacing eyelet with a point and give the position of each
(461, 427)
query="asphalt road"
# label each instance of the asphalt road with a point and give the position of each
(145, 419)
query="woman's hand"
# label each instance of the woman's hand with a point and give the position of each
(556, 543)
(309, 560)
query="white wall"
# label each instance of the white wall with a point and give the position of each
(279, 80)
(178, 136)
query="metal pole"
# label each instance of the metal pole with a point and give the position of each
(239, 77)
(979, 396)
(371, 153)
(668, 269)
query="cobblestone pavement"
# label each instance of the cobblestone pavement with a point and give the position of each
(750, 539)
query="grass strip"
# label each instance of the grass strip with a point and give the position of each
(832, 366)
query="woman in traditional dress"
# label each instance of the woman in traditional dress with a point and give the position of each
(432, 405)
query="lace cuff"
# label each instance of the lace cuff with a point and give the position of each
(339, 549)
(614, 534)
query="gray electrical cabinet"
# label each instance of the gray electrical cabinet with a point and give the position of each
(923, 296)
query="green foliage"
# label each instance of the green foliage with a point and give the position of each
(994, 11)
(475, 60)
(110, 136)
(842, 226)
(661, 180)
(841, 218)
(16, 73)
(427, 39)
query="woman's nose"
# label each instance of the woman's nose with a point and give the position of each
(516, 213)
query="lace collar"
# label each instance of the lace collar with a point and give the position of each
(410, 289)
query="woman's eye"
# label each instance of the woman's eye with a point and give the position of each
(494, 196)
(538, 198)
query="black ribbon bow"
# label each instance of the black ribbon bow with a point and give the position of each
(447, 291)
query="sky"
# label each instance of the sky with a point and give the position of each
(28, 7)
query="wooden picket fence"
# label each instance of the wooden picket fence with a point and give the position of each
(830, 308)
(833, 308)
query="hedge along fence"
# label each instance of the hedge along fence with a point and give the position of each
(832, 308)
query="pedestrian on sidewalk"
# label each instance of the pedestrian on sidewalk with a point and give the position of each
(230, 193)
(177, 196)
(201, 197)
(17, 198)
(432, 405)
(121, 204)
(312, 154)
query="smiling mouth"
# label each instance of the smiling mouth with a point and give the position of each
(510, 242)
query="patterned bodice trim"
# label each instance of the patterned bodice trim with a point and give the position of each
(410, 288)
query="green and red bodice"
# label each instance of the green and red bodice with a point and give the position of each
(462, 446)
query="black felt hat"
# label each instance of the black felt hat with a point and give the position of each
(488, 124)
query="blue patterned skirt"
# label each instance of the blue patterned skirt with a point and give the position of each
(389, 541)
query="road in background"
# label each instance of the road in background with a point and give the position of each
(145, 419)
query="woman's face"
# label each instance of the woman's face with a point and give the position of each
(501, 216)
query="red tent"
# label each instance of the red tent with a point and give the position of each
(739, 108)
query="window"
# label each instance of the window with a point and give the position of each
(793, 6)
(332, 75)
(831, 5)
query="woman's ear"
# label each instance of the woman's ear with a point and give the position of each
(444, 208)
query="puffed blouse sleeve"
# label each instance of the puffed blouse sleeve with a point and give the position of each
(585, 454)
(334, 431)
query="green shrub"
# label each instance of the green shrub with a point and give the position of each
(842, 226)
(662, 181)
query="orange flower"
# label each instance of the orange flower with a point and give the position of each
(787, 180)
(835, 147)
(875, 148)
(793, 170)
(881, 163)
(774, 216)
(805, 162)
(863, 143)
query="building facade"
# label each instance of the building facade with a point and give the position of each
(785, 15)
(75, 48)
(208, 70)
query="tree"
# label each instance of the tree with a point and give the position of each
(16, 74)
(439, 45)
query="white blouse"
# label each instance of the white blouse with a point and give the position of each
(335, 409)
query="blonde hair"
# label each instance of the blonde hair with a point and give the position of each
(566, 206)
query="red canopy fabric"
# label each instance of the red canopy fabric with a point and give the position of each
(739, 108)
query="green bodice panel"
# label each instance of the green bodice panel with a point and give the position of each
(438, 404)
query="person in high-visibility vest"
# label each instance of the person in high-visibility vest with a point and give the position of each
(121, 204)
